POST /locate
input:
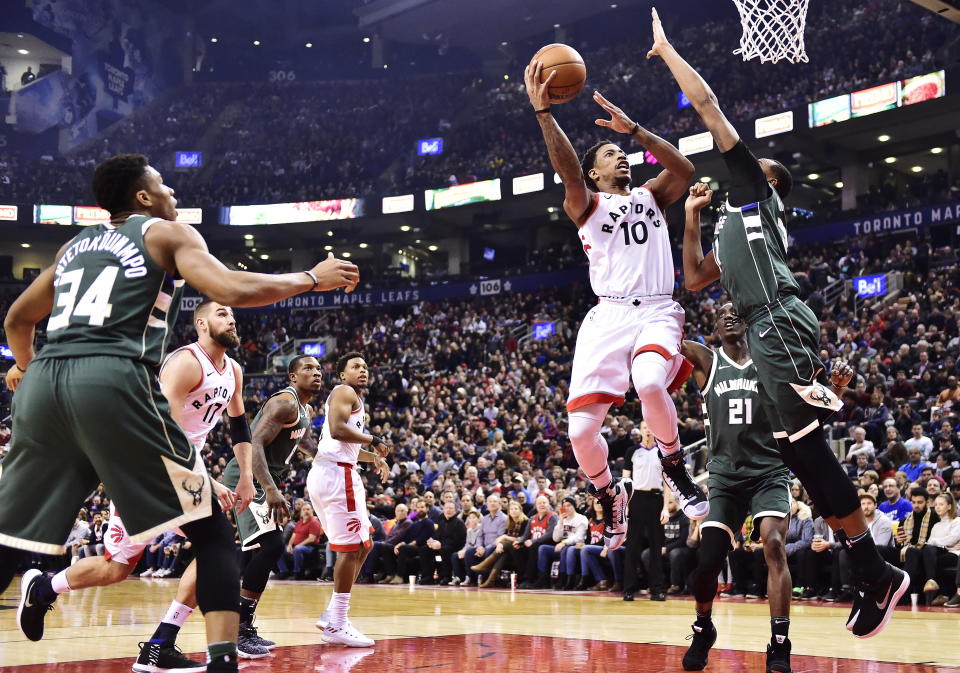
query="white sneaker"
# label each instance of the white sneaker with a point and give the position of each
(324, 619)
(346, 634)
(149, 572)
(615, 500)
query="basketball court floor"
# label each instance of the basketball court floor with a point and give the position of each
(441, 630)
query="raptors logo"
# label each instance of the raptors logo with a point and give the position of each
(116, 534)
(353, 525)
(196, 492)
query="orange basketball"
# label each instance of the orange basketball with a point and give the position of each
(568, 64)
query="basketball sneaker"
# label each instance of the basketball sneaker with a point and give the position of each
(703, 637)
(874, 602)
(323, 620)
(345, 634)
(256, 638)
(615, 500)
(155, 658)
(32, 610)
(690, 496)
(247, 647)
(778, 656)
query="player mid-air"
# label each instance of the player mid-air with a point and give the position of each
(747, 476)
(89, 408)
(749, 258)
(277, 431)
(199, 382)
(337, 493)
(636, 328)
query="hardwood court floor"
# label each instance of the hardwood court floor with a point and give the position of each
(445, 630)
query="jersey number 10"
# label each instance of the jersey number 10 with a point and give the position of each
(741, 411)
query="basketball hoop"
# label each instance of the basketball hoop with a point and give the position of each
(772, 30)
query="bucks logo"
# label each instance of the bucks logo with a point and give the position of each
(195, 491)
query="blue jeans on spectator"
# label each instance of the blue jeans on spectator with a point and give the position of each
(546, 555)
(301, 556)
(568, 560)
(470, 558)
(590, 562)
(459, 564)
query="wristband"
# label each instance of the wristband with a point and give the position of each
(546, 109)
(313, 278)
(239, 429)
(22, 370)
(636, 127)
(376, 441)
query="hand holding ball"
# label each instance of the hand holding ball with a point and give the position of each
(566, 66)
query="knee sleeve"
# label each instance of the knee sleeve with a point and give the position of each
(651, 376)
(589, 446)
(651, 373)
(829, 486)
(263, 560)
(218, 575)
(714, 546)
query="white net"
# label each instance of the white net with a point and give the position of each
(772, 30)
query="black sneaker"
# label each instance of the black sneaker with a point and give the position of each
(874, 602)
(695, 658)
(255, 637)
(155, 658)
(247, 648)
(778, 656)
(807, 595)
(615, 500)
(690, 496)
(31, 611)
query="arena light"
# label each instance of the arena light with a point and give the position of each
(366, 39)
(309, 45)
(404, 227)
(890, 160)
(432, 248)
(936, 150)
(506, 76)
(813, 176)
(503, 44)
(706, 179)
(345, 255)
(264, 256)
(328, 248)
(214, 40)
(838, 184)
(329, 233)
(362, 246)
(916, 169)
(24, 245)
(256, 43)
(883, 138)
(22, 51)
(248, 237)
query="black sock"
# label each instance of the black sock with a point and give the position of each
(703, 618)
(866, 561)
(247, 608)
(44, 589)
(165, 635)
(780, 628)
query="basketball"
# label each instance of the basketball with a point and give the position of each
(568, 64)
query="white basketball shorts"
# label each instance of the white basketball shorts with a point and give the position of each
(117, 544)
(611, 335)
(337, 494)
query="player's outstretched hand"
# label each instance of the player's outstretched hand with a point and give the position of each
(840, 374)
(225, 496)
(333, 273)
(538, 92)
(660, 41)
(699, 197)
(618, 121)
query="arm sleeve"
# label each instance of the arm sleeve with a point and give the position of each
(748, 183)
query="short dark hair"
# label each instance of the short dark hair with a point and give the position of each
(294, 363)
(117, 180)
(589, 159)
(199, 308)
(344, 360)
(784, 180)
(917, 491)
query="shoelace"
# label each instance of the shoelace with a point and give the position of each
(686, 488)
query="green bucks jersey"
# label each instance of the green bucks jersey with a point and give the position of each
(739, 435)
(750, 246)
(110, 297)
(281, 449)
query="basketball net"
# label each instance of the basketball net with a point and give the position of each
(772, 30)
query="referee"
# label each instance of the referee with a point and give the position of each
(647, 516)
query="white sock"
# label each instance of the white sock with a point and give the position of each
(651, 375)
(339, 605)
(60, 583)
(177, 614)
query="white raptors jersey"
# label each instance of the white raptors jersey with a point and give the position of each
(205, 404)
(336, 451)
(628, 245)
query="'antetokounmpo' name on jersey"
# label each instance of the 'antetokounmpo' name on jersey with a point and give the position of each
(129, 254)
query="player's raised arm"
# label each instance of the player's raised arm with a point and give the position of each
(563, 157)
(697, 91)
(278, 412)
(698, 270)
(179, 248)
(701, 357)
(674, 179)
(240, 434)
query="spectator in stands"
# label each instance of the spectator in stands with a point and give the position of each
(914, 465)
(923, 563)
(381, 554)
(303, 545)
(78, 533)
(92, 544)
(492, 526)
(539, 531)
(881, 528)
(434, 513)
(594, 556)
(860, 445)
(408, 549)
(26, 78)
(919, 441)
(571, 528)
(875, 417)
(470, 541)
(799, 539)
(849, 415)
(449, 537)
(676, 530)
(894, 505)
(497, 559)
(949, 395)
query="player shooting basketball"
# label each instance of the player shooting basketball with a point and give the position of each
(636, 328)
(749, 258)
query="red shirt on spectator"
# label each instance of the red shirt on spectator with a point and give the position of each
(305, 529)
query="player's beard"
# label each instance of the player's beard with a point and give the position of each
(226, 338)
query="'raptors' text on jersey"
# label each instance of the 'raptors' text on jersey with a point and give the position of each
(626, 240)
(206, 403)
(334, 450)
